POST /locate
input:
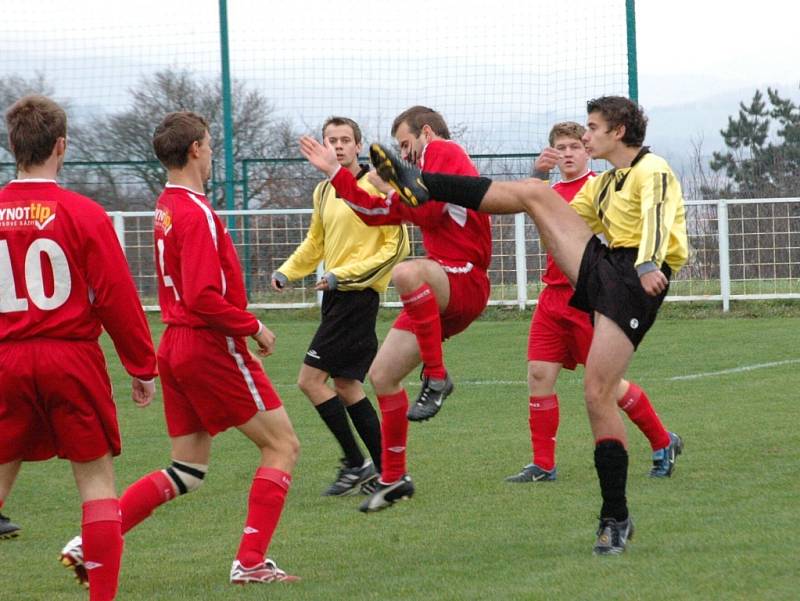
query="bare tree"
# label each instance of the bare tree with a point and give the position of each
(125, 136)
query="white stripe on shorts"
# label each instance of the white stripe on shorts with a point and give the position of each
(248, 377)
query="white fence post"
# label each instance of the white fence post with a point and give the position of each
(119, 227)
(520, 258)
(724, 255)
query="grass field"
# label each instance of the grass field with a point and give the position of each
(724, 527)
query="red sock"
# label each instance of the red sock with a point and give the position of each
(264, 507)
(143, 496)
(543, 421)
(423, 310)
(639, 408)
(394, 433)
(102, 547)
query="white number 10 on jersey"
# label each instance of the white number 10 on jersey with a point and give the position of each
(34, 281)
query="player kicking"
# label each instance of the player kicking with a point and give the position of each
(638, 207)
(63, 278)
(211, 381)
(560, 335)
(442, 294)
(358, 262)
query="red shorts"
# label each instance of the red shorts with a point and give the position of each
(210, 381)
(55, 399)
(469, 294)
(559, 333)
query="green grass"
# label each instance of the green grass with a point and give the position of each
(724, 527)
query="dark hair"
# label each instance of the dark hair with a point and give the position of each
(175, 134)
(35, 123)
(343, 121)
(566, 129)
(618, 110)
(418, 117)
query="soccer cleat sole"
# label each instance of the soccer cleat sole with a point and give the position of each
(9, 535)
(78, 571)
(386, 171)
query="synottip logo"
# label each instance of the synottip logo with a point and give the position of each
(38, 214)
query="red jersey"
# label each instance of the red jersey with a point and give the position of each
(553, 276)
(453, 236)
(63, 274)
(200, 282)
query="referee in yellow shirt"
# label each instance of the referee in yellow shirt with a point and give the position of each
(358, 262)
(638, 206)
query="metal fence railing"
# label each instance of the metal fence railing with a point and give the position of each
(741, 250)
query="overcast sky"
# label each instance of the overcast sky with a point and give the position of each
(691, 49)
(505, 68)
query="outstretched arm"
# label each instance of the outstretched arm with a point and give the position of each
(323, 157)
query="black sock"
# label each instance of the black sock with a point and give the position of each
(335, 417)
(463, 190)
(611, 463)
(368, 426)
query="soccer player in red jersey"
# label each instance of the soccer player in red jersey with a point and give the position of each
(442, 294)
(561, 335)
(210, 379)
(638, 207)
(63, 278)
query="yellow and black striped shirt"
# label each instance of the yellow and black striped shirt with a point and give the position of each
(640, 206)
(360, 256)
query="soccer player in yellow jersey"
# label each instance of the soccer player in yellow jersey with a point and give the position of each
(638, 206)
(358, 266)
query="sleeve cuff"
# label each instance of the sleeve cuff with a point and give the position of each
(646, 267)
(260, 328)
(331, 279)
(280, 278)
(332, 175)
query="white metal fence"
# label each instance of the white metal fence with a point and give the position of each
(741, 249)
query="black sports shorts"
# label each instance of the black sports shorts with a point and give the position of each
(345, 342)
(608, 283)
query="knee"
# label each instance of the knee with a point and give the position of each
(312, 382)
(380, 379)
(304, 384)
(539, 379)
(599, 395)
(405, 276)
(288, 445)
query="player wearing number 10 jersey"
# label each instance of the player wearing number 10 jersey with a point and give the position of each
(63, 278)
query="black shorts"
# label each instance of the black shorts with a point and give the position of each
(345, 343)
(608, 283)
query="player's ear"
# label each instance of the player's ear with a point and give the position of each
(619, 132)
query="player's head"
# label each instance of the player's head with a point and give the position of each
(182, 138)
(37, 129)
(344, 136)
(415, 127)
(567, 138)
(613, 120)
